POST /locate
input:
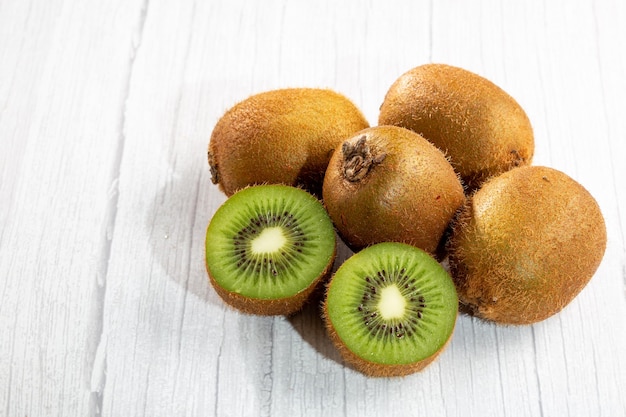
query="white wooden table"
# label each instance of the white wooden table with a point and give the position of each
(106, 108)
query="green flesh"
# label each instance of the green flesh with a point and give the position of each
(392, 304)
(269, 242)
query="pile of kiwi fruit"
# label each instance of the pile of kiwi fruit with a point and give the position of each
(439, 204)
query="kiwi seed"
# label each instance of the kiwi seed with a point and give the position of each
(390, 309)
(267, 248)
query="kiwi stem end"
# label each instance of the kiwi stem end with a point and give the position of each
(358, 159)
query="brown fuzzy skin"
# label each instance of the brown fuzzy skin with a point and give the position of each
(408, 194)
(478, 125)
(272, 307)
(371, 368)
(281, 136)
(525, 245)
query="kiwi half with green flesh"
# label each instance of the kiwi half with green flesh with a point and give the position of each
(283, 136)
(525, 245)
(267, 248)
(387, 183)
(390, 309)
(478, 125)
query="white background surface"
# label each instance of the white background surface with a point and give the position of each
(106, 108)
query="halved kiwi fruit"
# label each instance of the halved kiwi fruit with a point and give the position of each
(525, 245)
(390, 309)
(267, 248)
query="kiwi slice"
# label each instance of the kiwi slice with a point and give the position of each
(267, 247)
(390, 309)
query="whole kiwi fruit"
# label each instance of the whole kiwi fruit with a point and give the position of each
(390, 309)
(268, 247)
(387, 183)
(281, 136)
(480, 127)
(525, 245)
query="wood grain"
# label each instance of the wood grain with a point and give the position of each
(106, 109)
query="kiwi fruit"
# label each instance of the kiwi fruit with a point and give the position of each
(525, 245)
(483, 130)
(283, 136)
(390, 309)
(388, 184)
(268, 247)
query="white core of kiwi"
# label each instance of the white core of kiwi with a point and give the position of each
(392, 303)
(270, 240)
